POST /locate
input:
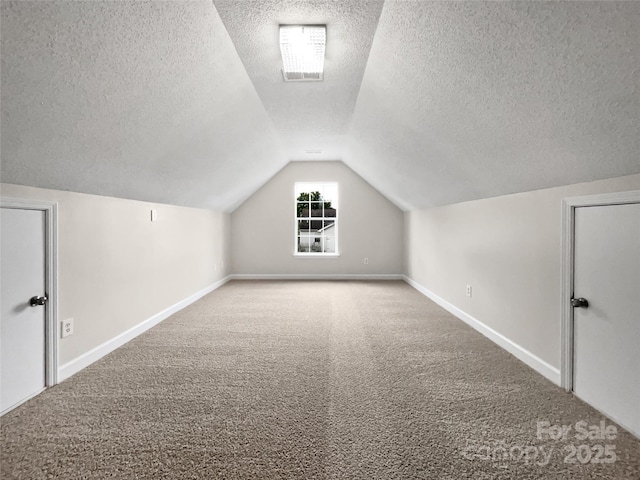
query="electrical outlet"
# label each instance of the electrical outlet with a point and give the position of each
(366, 261)
(154, 215)
(67, 327)
(469, 291)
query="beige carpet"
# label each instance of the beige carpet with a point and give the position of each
(266, 380)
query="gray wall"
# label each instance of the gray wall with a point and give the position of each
(509, 249)
(262, 228)
(116, 268)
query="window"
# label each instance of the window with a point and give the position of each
(316, 218)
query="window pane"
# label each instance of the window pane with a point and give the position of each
(302, 209)
(330, 193)
(303, 227)
(329, 244)
(316, 246)
(304, 243)
(316, 225)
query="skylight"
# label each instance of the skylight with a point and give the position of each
(302, 48)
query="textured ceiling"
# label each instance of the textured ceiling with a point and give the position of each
(309, 115)
(431, 102)
(466, 100)
(142, 100)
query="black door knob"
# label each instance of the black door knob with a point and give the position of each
(579, 302)
(35, 301)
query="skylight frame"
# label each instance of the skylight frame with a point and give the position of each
(303, 50)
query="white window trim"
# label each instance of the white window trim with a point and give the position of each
(297, 254)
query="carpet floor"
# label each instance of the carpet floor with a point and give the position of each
(327, 380)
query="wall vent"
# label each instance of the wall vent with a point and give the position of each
(302, 76)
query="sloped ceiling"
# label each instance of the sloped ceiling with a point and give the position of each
(467, 100)
(431, 102)
(307, 115)
(140, 100)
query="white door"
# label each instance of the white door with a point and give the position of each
(606, 367)
(22, 332)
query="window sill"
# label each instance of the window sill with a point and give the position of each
(316, 255)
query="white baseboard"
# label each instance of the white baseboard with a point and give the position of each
(74, 366)
(315, 276)
(549, 371)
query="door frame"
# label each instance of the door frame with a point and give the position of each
(50, 210)
(569, 206)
